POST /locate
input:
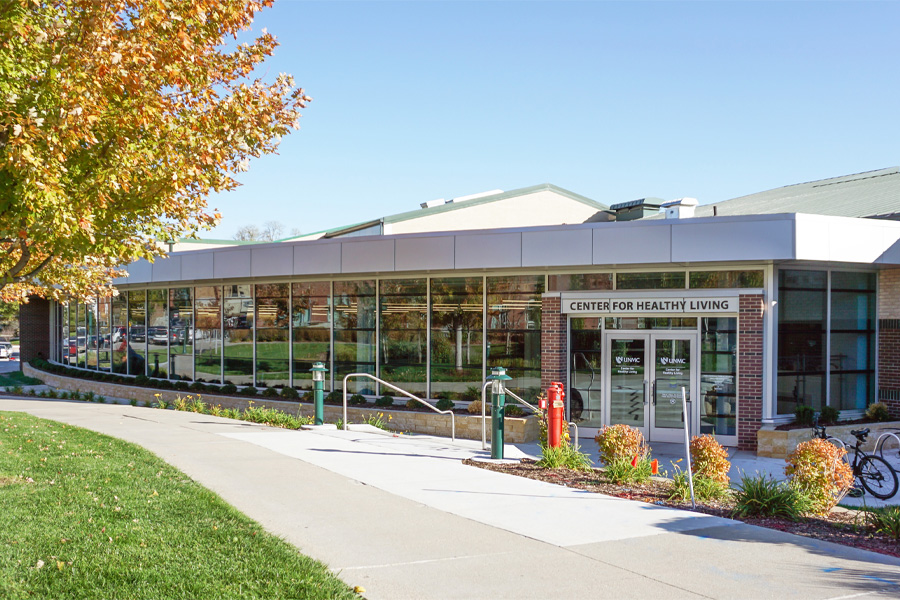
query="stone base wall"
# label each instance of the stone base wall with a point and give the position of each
(516, 430)
(779, 444)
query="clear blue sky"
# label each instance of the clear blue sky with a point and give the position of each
(616, 101)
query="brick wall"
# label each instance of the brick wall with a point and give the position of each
(553, 342)
(889, 339)
(750, 370)
(34, 329)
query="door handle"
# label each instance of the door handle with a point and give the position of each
(653, 392)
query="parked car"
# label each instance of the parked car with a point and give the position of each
(137, 334)
(14, 355)
(6, 349)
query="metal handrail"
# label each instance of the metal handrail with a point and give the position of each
(405, 393)
(533, 408)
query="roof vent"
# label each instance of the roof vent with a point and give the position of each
(636, 209)
(682, 208)
(433, 203)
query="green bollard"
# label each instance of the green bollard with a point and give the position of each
(318, 373)
(498, 401)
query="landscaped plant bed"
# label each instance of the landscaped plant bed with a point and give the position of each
(841, 526)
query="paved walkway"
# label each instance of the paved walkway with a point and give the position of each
(402, 517)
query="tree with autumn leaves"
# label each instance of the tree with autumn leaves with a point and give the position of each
(118, 118)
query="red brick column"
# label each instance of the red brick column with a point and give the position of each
(889, 339)
(34, 329)
(750, 370)
(553, 342)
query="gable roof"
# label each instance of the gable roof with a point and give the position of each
(452, 206)
(873, 194)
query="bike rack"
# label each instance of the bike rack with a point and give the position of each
(533, 408)
(879, 443)
(405, 393)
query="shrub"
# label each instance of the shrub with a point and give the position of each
(445, 404)
(142, 380)
(473, 392)
(163, 384)
(620, 442)
(182, 386)
(474, 407)
(513, 410)
(334, 397)
(198, 386)
(704, 488)
(248, 391)
(411, 404)
(817, 470)
(229, 388)
(761, 496)
(565, 456)
(804, 415)
(385, 401)
(829, 415)
(289, 393)
(885, 520)
(879, 412)
(709, 459)
(356, 399)
(628, 470)
(270, 393)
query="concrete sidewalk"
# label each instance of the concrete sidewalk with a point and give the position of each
(402, 517)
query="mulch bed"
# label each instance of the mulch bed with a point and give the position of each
(841, 526)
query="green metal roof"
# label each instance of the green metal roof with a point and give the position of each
(874, 194)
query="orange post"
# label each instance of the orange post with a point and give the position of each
(556, 397)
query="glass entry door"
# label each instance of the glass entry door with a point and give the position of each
(645, 376)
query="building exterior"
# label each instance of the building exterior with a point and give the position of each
(750, 313)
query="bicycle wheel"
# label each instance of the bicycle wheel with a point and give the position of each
(877, 476)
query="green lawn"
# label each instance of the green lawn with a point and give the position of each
(14, 378)
(88, 516)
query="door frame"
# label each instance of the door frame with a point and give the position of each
(648, 429)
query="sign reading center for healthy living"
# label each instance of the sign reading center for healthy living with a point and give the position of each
(632, 306)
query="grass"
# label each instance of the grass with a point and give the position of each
(88, 516)
(14, 378)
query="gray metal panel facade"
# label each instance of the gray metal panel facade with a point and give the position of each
(632, 243)
(232, 263)
(732, 240)
(556, 248)
(497, 250)
(367, 256)
(138, 272)
(167, 269)
(425, 253)
(272, 260)
(197, 265)
(317, 258)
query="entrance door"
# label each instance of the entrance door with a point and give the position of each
(645, 377)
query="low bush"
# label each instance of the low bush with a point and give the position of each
(474, 407)
(198, 386)
(885, 520)
(566, 457)
(248, 391)
(228, 388)
(804, 415)
(709, 459)
(270, 393)
(704, 488)
(879, 412)
(142, 381)
(334, 397)
(513, 410)
(620, 442)
(829, 415)
(473, 392)
(289, 393)
(385, 401)
(761, 496)
(817, 470)
(182, 386)
(412, 404)
(445, 404)
(637, 469)
(356, 400)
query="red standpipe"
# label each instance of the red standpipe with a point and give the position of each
(556, 397)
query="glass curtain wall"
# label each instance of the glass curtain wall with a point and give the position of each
(457, 318)
(104, 358)
(802, 297)
(137, 332)
(207, 338)
(403, 337)
(718, 375)
(157, 333)
(585, 392)
(118, 338)
(354, 334)
(272, 331)
(514, 331)
(82, 334)
(180, 334)
(238, 332)
(311, 319)
(852, 355)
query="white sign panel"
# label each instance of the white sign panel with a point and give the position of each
(632, 306)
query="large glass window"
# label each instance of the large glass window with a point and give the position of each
(457, 318)
(71, 351)
(104, 359)
(207, 338)
(238, 317)
(585, 395)
(403, 337)
(726, 279)
(580, 281)
(514, 331)
(181, 333)
(118, 338)
(718, 375)
(92, 337)
(272, 330)
(158, 333)
(82, 334)
(650, 281)
(802, 297)
(311, 319)
(137, 332)
(354, 334)
(852, 360)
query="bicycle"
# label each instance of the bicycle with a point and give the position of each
(873, 472)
